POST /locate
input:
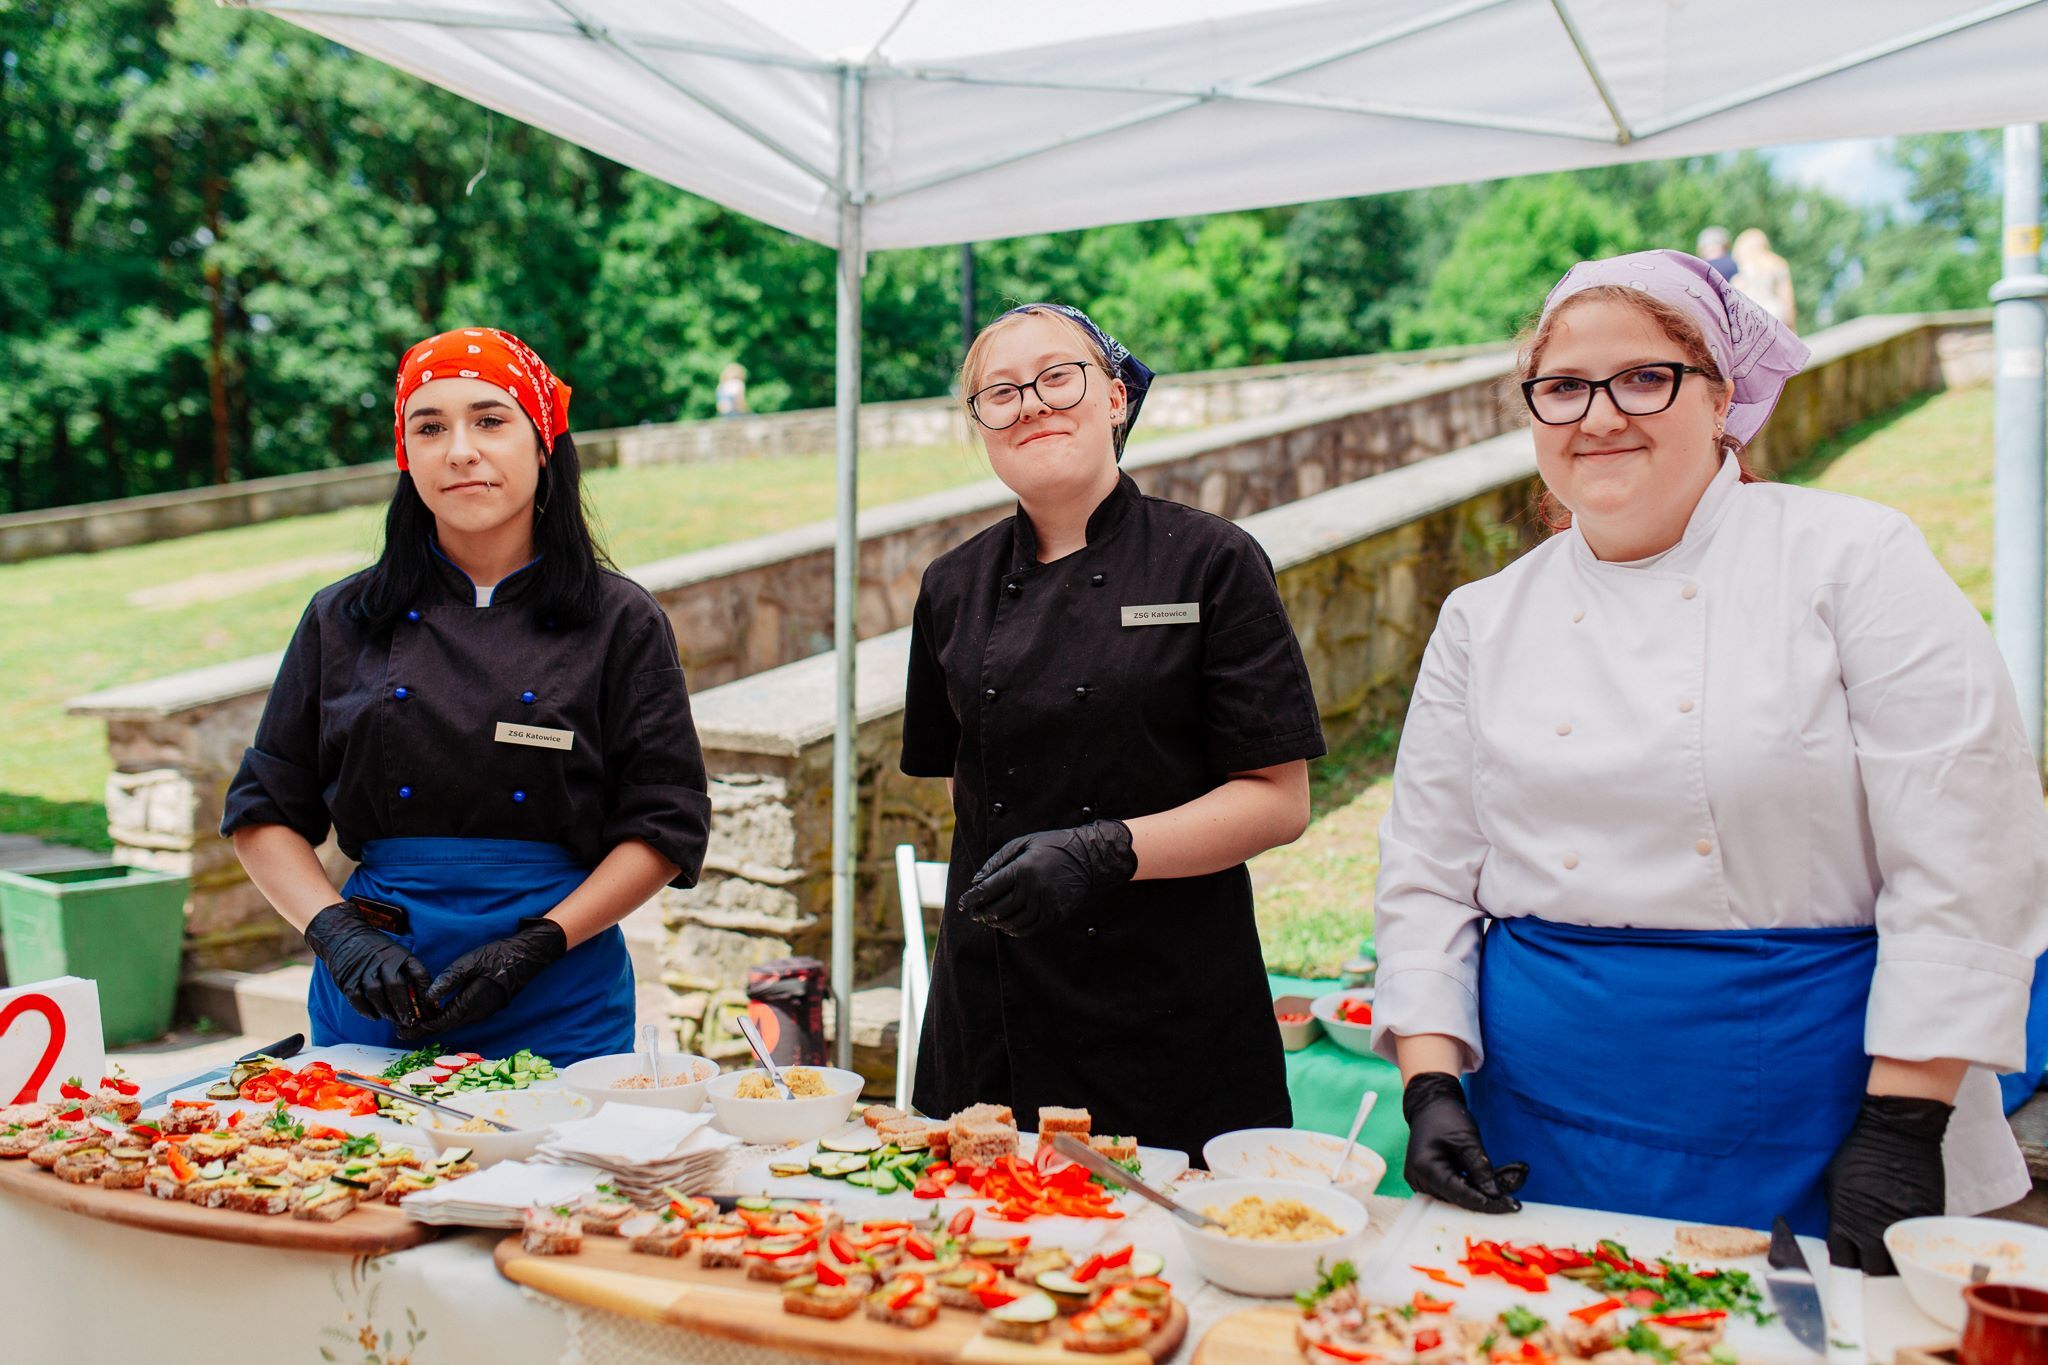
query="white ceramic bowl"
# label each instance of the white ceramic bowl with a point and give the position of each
(1292, 1154)
(1351, 1037)
(1934, 1257)
(532, 1112)
(1267, 1270)
(780, 1120)
(593, 1077)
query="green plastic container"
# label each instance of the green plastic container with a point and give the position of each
(123, 927)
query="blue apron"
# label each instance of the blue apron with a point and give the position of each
(2017, 1087)
(1705, 1076)
(461, 893)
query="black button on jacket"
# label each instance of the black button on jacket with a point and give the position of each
(396, 737)
(1150, 1007)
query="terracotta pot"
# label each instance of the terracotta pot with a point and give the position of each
(2008, 1325)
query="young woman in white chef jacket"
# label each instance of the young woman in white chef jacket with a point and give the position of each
(1716, 855)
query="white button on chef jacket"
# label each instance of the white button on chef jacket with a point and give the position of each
(1792, 718)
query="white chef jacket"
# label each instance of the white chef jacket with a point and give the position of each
(1791, 718)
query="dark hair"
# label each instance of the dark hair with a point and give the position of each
(569, 586)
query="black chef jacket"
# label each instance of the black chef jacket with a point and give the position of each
(395, 737)
(1149, 1007)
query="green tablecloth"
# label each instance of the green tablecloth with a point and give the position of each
(1326, 1083)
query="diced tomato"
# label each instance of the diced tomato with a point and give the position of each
(962, 1221)
(236, 1117)
(1569, 1259)
(1593, 1312)
(1423, 1303)
(1642, 1298)
(72, 1090)
(72, 1115)
(941, 1176)
(119, 1085)
(1428, 1341)
(927, 1188)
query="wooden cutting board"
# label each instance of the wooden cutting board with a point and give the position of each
(369, 1230)
(1251, 1336)
(608, 1274)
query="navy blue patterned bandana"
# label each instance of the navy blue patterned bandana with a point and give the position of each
(1122, 364)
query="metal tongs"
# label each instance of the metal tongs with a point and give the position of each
(1082, 1154)
(356, 1078)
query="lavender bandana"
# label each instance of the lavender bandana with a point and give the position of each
(1123, 365)
(1755, 352)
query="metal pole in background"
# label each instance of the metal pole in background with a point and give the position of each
(2019, 579)
(966, 297)
(846, 564)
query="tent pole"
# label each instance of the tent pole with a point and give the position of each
(846, 564)
(2020, 324)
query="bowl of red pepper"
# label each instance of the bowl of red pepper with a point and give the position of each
(1298, 1026)
(1347, 1017)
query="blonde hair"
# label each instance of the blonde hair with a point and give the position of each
(976, 361)
(1682, 330)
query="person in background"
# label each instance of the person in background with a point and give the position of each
(1713, 249)
(1764, 275)
(732, 391)
(494, 723)
(1111, 687)
(1716, 856)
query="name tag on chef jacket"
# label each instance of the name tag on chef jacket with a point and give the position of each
(534, 736)
(1164, 614)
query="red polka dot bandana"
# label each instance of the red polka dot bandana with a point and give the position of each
(496, 358)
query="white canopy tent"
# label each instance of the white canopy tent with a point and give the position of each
(871, 124)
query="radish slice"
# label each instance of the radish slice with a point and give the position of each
(451, 1063)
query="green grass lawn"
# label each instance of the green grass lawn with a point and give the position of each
(1930, 458)
(77, 623)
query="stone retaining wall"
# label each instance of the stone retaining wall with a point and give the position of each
(1178, 401)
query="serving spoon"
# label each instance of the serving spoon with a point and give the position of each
(1351, 1143)
(753, 1037)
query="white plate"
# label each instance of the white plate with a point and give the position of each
(1157, 1165)
(1934, 1256)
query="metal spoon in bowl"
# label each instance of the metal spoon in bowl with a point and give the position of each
(753, 1037)
(650, 1053)
(1351, 1143)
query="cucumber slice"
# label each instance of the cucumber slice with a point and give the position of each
(1060, 1282)
(850, 1142)
(222, 1090)
(883, 1181)
(788, 1168)
(865, 1179)
(754, 1204)
(1145, 1264)
(1032, 1307)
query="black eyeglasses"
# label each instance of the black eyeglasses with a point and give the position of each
(1558, 400)
(999, 406)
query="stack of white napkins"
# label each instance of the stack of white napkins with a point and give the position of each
(644, 1150)
(498, 1196)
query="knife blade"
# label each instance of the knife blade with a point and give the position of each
(1083, 1155)
(1793, 1290)
(281, 1049)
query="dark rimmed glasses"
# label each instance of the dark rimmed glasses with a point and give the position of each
(999, 406)
(1558, 400)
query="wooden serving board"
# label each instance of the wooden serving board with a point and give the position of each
(367, 1231)
(1251, 1336)
(608, 1274)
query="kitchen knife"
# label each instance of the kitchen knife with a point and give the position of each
(1081, 1154)
(281, 1049)
(1793, 1291)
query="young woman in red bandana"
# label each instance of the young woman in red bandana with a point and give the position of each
(494, 723)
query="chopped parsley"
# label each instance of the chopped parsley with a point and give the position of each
(1643, 1340)
(1520, 1322)
(1130, 1164)
(412, 1061)
(1328, 1282)
(1680, 1290)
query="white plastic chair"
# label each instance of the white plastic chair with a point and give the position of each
(919, 887)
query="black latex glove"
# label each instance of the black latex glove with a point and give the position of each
(1038, 880)
(1445, 1158)
(1888, 1168)
(483, 980)
(373, 971)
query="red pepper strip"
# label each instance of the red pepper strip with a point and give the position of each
(1117, 1260)
(993, 1298)
(1593, 1312)
(1428, 1341)
(1569, 1259)
(1439, 1276)
(146, 1130)
(236, 1117)
(1088, 1269)
(180, 1167)
(1606, 1257)
(1705, 1274)
(1702, 1319)
(74, 1092)
(1423, 1303)
(912, 1286)
(962, 1221)
(72, 1115)
(124, 1087)
(1336, 1352)
(827, 1275)
(920, 1246)
(886, 1225)
(1642, 1298)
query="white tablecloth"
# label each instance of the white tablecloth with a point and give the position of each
(76, 1288)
